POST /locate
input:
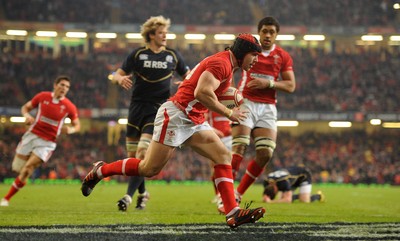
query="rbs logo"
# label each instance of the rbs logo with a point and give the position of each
(155, 64)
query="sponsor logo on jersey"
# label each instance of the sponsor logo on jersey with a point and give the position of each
(48, 121)
(263, 76)
(143, 57)
(169, 59)
(155, 64)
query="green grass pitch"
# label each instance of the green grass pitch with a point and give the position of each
(184, 203)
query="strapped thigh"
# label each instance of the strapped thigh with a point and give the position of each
(240, 140)
(263, 142)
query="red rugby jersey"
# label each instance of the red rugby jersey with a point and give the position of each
(269, 65)
(50, 116)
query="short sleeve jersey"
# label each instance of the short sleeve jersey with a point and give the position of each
(269, 66)
(152, 73)
(221, 67)
(289, 178)
(50, 115)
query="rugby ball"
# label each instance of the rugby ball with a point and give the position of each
(231, 98)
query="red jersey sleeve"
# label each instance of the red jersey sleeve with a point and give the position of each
(37, 99)
(287, 63)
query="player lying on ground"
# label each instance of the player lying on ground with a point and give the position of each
(286, 181)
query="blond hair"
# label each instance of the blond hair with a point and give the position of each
(151, 25)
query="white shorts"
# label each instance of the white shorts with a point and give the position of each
(260, 115)
(305, 187)
(227, 140)
(31, 143)
(172, 127)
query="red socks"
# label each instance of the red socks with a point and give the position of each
(127, 167)
(252, 172)
(224, 184)
(236, 160)
(17, 184)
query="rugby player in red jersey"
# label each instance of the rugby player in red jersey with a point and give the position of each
(181, 120)
(39, 141)
(273, 72)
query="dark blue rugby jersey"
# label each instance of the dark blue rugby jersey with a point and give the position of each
(290, 178)
(152, 73)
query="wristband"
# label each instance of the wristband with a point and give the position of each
(71, 130)
(271, 84)
(26, 115)
(228, 112)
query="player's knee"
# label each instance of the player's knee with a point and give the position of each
(17, 164)
(142, 147)
(305, 198)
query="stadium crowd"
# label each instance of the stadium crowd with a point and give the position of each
(303, 12)
(326, 81)
(344, 157)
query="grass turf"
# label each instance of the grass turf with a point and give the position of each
(178, 203)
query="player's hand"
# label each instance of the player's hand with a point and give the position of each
(258, 83)
(29, 119)
(125, 82)
(238, 114)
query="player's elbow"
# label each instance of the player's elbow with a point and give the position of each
(291, 88)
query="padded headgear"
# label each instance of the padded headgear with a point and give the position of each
(244, 43)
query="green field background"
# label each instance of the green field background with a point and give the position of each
(61, 203)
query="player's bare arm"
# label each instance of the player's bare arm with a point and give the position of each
(286, 197)
(75, 127)
(204, 92)
(121, 78)
(25, 109)
(288, 82)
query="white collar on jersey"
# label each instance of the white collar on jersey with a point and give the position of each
(55, 100)
(267, 52)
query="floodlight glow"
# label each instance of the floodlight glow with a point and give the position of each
(391, 125)
(396, 6)
(190, 36)
(76, 34)
(133, 36)
(395, 38)
(171, 36)
(106, 35)
(364, 43)
(288, 123)
(375, 122)
(123, 121)
(371, 38)
(17, 119)
(224, 37)
(46, 33)
(336, 124)
(287, 37)
(314, 37)
(17, 32)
